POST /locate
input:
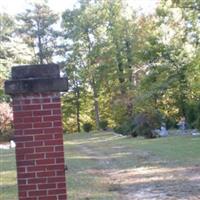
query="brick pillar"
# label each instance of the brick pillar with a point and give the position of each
(38, 131)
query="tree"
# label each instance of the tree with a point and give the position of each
(36, 27)
(12, 50)
(83, 28)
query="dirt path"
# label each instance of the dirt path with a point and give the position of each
(145, 182)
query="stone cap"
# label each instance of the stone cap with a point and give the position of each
(35, 71)
(35, 78)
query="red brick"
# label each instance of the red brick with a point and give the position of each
(52, 118)
(26, 175)
(56, 99)
(57, 191)
(44, 137)
(29, 198)
(34, 144)
(60, 160)
(24, 151)
(41, 112)
(54, 155)
(53, 130)
(22, 181)
(33, 119)
(23, 138)
(58, 136)
(41, 100)
(45, 174)
(62, 197)
(17, 108)
(25, 162)
(47, 186)
(26, 101)
(19, 145)
(56, 167)
(23, 126)
(45, 161)
(42, 125)
(33, 131)
(60, 173)
(37, 180)
(53, 142)
(57, 124)
(59, 148)
(55, 179)
(20, 157)
(26, 187)
(31, 107)
(57, 112)
(36, 168)
(61, 185)
(23, 114)
(51, 106)
(49, 198)
(21, 169)
(18, 120)
(18, 132)
(44, 149)
(34, 156)
(16, 102)
(23, 194)
(37, 193)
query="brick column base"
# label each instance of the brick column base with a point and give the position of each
(39, 146)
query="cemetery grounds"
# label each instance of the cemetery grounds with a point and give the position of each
(108, 166)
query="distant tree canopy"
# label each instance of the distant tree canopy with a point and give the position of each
(119, 63)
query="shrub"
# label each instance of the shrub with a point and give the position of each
(146, 122)
(103, 124)
(126, 128)
(87, 127)
(5, 121)
(171, 123)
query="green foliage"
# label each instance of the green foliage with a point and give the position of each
(146, 122)
(126, 128)
(87, 127)
(103, 124)
(5, 121)
(35, 27)
(118, 63)
(142, 124)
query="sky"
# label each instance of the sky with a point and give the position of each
(13, 7)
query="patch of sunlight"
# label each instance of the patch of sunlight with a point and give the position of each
(93, 140)
(121, 154)
(79, 157)
(8, 177)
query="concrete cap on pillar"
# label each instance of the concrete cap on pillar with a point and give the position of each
(35, 79)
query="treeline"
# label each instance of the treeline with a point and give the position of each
(119, 63)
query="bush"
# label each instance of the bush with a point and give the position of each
(127, 128)
(5, 121)
(171, 123)
(103, 124)
(193, 115)
(87, 127)
(145, 124)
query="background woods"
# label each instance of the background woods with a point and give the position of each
(120, 63)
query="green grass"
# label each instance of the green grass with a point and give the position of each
(85, 154)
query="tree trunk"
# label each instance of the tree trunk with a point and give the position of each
(96, 103)
(78, 108)
(40, 44)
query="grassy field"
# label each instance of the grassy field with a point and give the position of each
(109, 167)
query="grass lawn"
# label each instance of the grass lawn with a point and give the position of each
(109, 167)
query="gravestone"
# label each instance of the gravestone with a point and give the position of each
(38, 131)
